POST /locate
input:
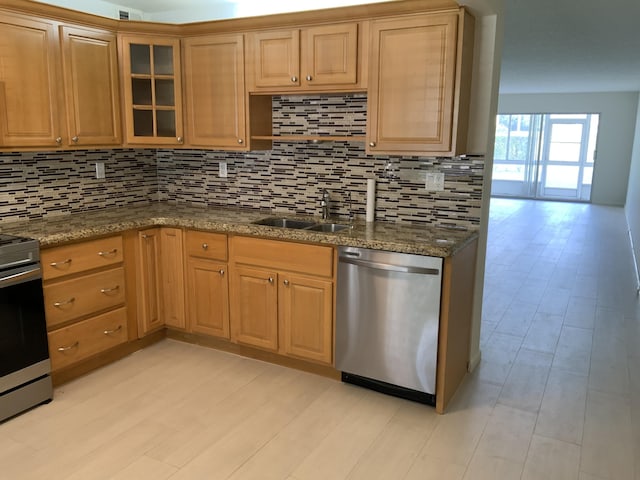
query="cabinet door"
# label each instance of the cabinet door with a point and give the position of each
(276, 58)
(90, 67)
(330, 55)
(149, 281)
(215, 96)
(306, 314)
(412, 84)
(171, 261)
(152, 90)
(254, 314)
(208, 297)
(29, 90)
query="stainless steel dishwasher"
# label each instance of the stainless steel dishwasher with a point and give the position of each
(387, 317)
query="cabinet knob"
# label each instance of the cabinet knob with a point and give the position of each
(294, 79)
(240, 141)
(180, 140)
(205, 246)
(59, 140)
(372, 144)
(309, 78)
(270, 279)
(286, 282)
(144, 235)
(221, 272)
(75, 139)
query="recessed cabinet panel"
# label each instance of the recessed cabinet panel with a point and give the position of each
(28, 83)
(331, 55)
(276, 56)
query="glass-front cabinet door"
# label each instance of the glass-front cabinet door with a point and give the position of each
(153, 101)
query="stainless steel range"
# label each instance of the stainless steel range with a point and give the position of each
(25, 368)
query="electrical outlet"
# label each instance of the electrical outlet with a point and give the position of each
(434, 182)
(222, 169)
(100, 174)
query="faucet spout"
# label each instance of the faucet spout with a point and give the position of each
(324, 203)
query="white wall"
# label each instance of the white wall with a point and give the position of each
(96, 7)
(615, 139)
(632, 207)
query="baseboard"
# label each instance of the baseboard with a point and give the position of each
(635, 262)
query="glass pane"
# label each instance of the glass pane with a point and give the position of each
(519, 146)
(508, 172)
(593, 137)
(587, 175)
(166, 123)
(143, 123)
(164, 93)
(564, 152)
(163, 60)
(559, 176)
(566, 132)
(140, 59)
(141, 91)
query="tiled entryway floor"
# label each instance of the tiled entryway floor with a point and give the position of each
(556, 395)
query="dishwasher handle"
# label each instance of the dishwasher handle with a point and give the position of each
(389, 267)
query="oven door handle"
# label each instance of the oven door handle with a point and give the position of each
(19, 277)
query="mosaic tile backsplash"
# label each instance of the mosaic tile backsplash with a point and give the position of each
(287, 179)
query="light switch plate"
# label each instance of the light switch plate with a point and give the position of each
(434, 181)
(222, 169)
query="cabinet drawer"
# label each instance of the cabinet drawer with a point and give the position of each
(289, 256)
(84, 339)
(68, 259)
(206, 245)
(84, 295)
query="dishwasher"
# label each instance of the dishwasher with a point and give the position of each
(387, 319)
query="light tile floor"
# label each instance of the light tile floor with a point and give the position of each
(556, 395)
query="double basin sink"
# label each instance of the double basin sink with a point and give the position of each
(283, 222)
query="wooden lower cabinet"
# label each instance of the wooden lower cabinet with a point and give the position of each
(255, 307)
(208, 297)
(277, 309)
(148, 281)
(306, 317)
(172, 278)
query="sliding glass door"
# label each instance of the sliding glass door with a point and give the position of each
(547, 156)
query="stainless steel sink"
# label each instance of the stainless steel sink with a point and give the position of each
(328, 227)
(283, 222)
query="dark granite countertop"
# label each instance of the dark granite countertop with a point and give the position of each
(422, 240)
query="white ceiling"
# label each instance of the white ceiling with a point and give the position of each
(550, 46)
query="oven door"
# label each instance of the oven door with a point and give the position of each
(24, 352)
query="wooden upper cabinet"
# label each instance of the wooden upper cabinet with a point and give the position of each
(90, 68)
(152, 84)
(315, 58)
(215, 92)
(418, 84)
(29, 86)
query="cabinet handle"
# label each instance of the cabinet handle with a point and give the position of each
(70, 347)
(221, 272)
(180, 140)
(75, 139)
(109, 253)
(286, 282)
(109, 332)
(309, 78)
(205, 246)
(59, 140)
(270, 279)
(372, 144)
(294, 79)
(65, 302)
(110, 290)
(59, 264)
(240, 141)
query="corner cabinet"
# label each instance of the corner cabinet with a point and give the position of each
(152, 84)
(215, 92)
(419, 83)
(314, 58)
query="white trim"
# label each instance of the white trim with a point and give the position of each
(635, 263)
(474, 361)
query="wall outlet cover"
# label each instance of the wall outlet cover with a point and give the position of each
(434, 181)
(100, 173)
(222, 169)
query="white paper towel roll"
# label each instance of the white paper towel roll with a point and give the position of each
(371, 199)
